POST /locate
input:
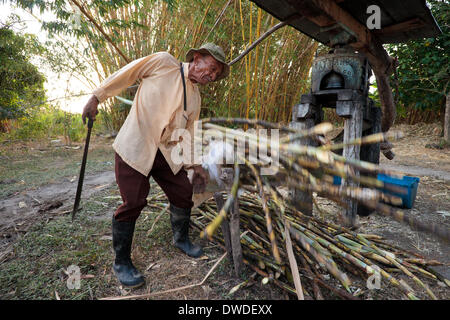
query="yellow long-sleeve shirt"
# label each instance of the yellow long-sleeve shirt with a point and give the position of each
(157, 109)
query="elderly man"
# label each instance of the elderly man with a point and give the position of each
(168, 99)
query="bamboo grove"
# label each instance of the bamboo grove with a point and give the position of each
(263, 85)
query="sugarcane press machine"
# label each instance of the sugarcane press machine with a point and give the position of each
(340, 80)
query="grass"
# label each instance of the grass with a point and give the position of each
(42, 255)
(36, 270)
(44, 122)
(47, 249)
(30, 165)
(36, 267)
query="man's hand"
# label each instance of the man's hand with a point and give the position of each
(200, 179)
(90, 109)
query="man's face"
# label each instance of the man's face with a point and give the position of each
(204, 69)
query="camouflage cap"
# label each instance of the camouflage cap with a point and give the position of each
(215, 51)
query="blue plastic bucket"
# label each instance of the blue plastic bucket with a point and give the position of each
(407, 184)
(406, 187)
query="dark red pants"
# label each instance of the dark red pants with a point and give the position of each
(134, 187)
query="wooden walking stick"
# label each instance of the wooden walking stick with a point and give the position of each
(83, 166)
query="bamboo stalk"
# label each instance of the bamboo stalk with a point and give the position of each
(270, 229)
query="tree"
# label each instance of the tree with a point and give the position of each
(21, 83)
(423, 72)
(265, 84)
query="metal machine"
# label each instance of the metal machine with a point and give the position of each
(340, 79)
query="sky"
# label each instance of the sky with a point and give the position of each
(56, 84)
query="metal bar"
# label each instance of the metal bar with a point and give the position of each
(254, 44)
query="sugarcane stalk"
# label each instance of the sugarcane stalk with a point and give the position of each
(418, 269)
(391, 279)
(212, 227)
(270, 230)
(373, 138)
(343, 254)
(321, 128)
(439, 276)
(326, 261)
(293, 264)
(398, 265)
(265, 124)
(311, 169)
(421, 261)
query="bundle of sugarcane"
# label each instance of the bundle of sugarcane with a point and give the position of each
(269, 220)
(312, 169)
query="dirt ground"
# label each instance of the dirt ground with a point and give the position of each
(37, 188)
(416, 155)
(38, 241)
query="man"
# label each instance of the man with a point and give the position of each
(167, 99)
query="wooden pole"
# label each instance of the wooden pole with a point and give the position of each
(218, 197)
(303, 118)
(447, 119)
(302, 200)
(352, 130)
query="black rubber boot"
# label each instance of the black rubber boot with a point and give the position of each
(122, 234)
(180, 219)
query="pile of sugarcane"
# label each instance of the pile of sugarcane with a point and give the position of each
(320, 249)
